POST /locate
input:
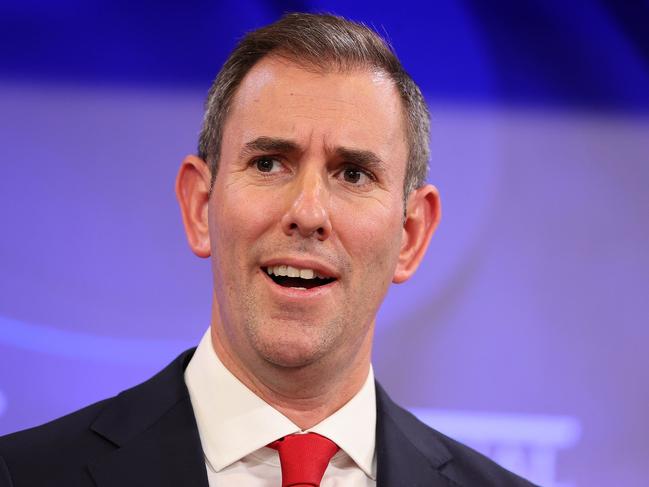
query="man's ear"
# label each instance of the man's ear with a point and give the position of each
(193, 193)
(423, 212)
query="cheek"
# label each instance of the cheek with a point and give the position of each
(372, 237)
(238, 222)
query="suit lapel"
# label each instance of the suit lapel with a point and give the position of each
(157, 442)
(167, 454)
(154, 430)
(408, 452)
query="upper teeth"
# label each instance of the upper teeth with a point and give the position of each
(287, 270)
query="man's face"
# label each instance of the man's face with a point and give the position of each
(310, 177)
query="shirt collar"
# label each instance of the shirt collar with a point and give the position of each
(353, 427)
(233, 421)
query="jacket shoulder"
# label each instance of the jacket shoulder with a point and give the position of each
(58, 449)
(458, 463)
(470, 467)
(59, 452)
(58, 430)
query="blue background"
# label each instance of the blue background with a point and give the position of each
(532, 301)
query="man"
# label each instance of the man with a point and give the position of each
(309, 196)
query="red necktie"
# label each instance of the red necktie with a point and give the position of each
(304, 458)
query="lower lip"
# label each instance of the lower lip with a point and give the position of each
(298, 293)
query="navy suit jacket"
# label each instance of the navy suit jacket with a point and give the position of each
(147, 436)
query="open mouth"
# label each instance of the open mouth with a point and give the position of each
(288, 276)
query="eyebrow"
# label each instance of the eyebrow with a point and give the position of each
(269, 144)
(359, 157)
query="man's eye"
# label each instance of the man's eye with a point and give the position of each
(267, 164)
(355, 176)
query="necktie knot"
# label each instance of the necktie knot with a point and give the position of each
(304, 458)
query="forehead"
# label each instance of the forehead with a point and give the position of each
(360, 109)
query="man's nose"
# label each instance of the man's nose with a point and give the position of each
(308, 213)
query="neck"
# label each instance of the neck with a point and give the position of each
(307, 394)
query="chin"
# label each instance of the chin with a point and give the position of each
(291, 361)
(295, 347)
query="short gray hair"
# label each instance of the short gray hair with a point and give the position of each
(326, 42)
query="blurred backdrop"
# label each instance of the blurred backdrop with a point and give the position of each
(525, 331)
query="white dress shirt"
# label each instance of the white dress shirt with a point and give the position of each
(235, 425)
